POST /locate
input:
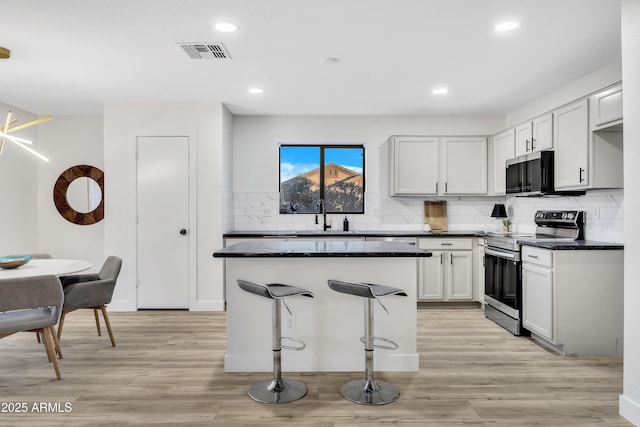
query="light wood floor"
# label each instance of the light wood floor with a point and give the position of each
(167, 369)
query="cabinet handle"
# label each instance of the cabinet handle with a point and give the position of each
(580, 175)
(532, 146)
(533, 256)
(446, 244)
(446, 187)
(436, 187)
(441, 258)
(527, 145)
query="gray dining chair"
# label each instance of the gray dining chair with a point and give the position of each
(91, 291)
(32, 304)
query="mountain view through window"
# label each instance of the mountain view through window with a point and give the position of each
(339, 182)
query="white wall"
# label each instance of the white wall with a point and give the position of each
(630, 399)
(206, 122)
(18, 189)
(69, 141)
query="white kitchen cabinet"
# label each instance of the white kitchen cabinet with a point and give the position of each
(535, 135)
(478, 272)
(502, 149)
(537, 297)
(606, 108)
(423, 165)
(448, 274)
(571, 138)
(572, 300)
(414, 165)
(465, 165)
(431, 277)
(523, 139)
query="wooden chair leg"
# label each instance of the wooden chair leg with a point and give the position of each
(60, 324)
(38, 337)
(56, 341)
(106, 321)
(95, 314)
(51, 352)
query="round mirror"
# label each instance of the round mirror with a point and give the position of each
(79, 194)
(84, 195)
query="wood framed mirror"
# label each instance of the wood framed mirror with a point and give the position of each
(83, 202)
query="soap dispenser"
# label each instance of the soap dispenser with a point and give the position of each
(345, 224)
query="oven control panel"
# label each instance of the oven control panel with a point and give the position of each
(558, 217)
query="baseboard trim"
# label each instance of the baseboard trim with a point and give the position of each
(630, 409)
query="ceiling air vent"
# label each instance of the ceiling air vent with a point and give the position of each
(205, 50)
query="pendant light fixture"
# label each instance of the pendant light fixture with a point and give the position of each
(20, 142)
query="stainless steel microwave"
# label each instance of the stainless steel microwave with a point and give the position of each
(533, 175)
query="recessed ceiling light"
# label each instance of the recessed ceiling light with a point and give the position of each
(507, 26)
(440, 91)
(329, 60)
(226, 27)
(256, 90)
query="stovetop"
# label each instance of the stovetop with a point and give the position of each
(552, 226)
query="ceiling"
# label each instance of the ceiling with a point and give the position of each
(72, 56)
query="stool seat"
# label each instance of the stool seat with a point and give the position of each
(277, 389)
(365, 290)
(274, 290)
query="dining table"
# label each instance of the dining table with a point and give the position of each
(40, 267)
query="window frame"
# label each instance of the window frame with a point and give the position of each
(322, 148)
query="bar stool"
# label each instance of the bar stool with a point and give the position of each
(277, 389)
(369, 391)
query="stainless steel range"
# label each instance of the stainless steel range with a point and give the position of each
(503, 266)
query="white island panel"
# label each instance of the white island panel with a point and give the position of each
(331, 324)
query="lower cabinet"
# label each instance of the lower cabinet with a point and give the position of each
(448, 274)
(572, 300)
(537, 297)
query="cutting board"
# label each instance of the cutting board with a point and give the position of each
(435, 213)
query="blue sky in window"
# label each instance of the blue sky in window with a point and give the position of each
(295, 161)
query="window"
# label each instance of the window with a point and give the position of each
(339, 182)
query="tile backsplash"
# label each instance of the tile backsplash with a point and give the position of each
(258, 211)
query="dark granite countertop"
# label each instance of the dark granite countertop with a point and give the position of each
(576, 245)
(321, 249)
(356, 233)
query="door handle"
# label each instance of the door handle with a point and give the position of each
(183, 231)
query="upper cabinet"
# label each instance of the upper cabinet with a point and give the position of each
(422, 166)
(571, 136)
(502, 149)
(535, 135)
(606, 108)
(415, 165)
(587, 159)
(465, 165)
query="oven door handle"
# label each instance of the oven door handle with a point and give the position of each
(509, 255)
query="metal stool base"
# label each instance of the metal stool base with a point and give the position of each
(370, 393)
(278, 391)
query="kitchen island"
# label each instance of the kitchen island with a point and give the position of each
(331, 323)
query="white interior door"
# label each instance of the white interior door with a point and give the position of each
(163, 221)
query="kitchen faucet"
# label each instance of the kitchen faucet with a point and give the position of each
(324, 212)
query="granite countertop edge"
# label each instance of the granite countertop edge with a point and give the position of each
(338, 234)
(577, 245)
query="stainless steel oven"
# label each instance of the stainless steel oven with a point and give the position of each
(503, 287)
(503, 267)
